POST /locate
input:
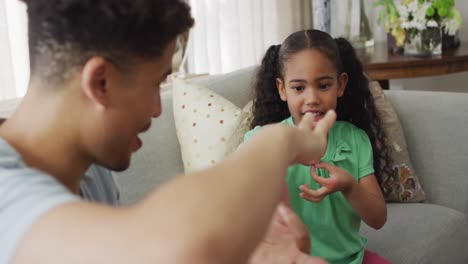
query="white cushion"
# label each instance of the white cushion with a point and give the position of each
(208, 126)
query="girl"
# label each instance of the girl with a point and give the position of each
(313, 73)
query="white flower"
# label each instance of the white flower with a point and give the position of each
(403, 12)
(420, 14)
(413, 15)
(451, 26)
(406, 25)
(413, 6)
(419, 25)
(432, 23)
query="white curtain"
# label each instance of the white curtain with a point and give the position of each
(14, 55)
(229, 35)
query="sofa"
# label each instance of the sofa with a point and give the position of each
(436, 129)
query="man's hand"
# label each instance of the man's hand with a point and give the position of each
(312, 142)
(286, 242)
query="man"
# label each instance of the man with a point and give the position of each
(97, 185)
(96, 68)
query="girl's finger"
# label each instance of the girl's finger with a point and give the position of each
(316, 177)
(324, 165)
(310, 198)
(322, 191)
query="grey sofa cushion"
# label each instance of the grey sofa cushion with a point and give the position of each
(436, 130)
(419, 234)
(235, 86)
(157, 161)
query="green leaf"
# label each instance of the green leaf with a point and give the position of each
(443, 11)
(430, 11)
(437, 4)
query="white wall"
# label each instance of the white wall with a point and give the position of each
(14, 55)
(6, 71)
(457, 82)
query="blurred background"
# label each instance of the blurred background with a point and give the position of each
(233, 34)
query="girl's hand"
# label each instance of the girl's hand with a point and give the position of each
(312, 139)
(339, 181)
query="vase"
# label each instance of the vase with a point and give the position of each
(357, 28)
(392, 46)
(450, 42)
(426, 42)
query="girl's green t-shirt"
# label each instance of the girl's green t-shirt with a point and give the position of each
(333, 224)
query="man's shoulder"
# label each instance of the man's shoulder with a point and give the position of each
(13, 168)
(26, 194)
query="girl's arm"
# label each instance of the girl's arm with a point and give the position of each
(367, 199)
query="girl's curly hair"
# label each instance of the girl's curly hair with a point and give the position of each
(355, 106)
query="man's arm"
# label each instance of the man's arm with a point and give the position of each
(213, 216)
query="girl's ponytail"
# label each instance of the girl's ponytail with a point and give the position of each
(357, 94)
(357, 106)
(267, 105)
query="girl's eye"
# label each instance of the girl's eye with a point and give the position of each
(298, 88)
(324, 86)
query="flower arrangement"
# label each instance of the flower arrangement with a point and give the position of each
(405, 18)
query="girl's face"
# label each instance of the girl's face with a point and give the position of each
(311, 84)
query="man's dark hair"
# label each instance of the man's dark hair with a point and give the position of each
(68, 32)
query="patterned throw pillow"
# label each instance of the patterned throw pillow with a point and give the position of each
(207, 125)
(403, 185)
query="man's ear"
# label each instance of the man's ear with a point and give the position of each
(342, 83)
(95, 79)
(281, 89)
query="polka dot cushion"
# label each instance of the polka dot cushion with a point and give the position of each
(206, 124)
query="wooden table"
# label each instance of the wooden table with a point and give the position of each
(382, 66)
